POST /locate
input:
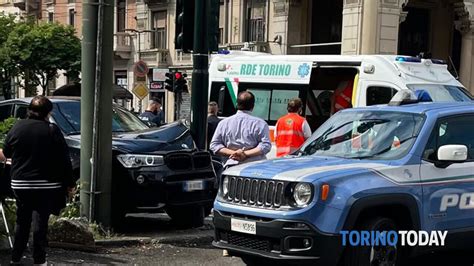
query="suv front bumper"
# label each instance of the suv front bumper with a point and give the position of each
(279, 240)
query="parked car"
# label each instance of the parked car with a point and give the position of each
(153, 169)
(369, 169)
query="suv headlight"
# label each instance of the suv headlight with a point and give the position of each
(135, 160)
(302, 194)
(225, 187)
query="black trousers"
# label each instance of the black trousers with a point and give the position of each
(32, 205)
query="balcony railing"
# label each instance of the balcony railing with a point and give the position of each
(262, 47)
(181, 58)
(159, 57)
(123, 44)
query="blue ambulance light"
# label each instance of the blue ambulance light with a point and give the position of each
(408, 59)
(439, 62)
(423, 96)
(224, 52)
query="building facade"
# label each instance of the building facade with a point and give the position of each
(145, 30)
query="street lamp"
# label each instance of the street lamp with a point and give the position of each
(138, 32)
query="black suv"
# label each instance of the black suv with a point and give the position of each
(153, 169)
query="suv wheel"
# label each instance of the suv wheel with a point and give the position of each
(186, 216)
(374, 255)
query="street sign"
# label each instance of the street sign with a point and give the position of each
(156, 86)
(140, 90)
(159, 74)
(140, 69)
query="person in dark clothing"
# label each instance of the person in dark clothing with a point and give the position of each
(212, 120)
(41, 176)
(153, 112)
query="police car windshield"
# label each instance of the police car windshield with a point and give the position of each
(67, 116)
(443, 93)
(365, 135)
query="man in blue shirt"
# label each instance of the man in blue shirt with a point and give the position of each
(153, 112)
(242, 137)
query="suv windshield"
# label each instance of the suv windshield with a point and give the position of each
(365, 135)
(443, 93)
(68, 117)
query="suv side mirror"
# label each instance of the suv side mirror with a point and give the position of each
(448, 154)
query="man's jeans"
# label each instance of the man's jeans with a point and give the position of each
(30, 207)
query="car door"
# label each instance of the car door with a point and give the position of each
(5, 111)
(20, 111)
(445, 207)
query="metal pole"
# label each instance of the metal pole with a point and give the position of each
(103, 202)
(199, 94)
(140, 103)
(95, 122)
(89, 32)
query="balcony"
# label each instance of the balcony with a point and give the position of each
(21, 4)
(123, 45)
(156, 57)
(183, 59)
(262, 47)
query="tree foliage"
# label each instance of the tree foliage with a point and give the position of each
(7, 67)
(39, 51)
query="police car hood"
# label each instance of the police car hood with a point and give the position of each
(307, 168)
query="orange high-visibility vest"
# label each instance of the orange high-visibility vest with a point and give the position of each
(344, 99)
(290, 134)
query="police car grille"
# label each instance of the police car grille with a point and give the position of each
(256, 193)
(244, 241)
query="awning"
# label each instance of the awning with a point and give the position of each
(74, 89)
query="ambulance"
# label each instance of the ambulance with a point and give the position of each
(317, 79)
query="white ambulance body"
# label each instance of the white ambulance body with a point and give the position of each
(275, 79)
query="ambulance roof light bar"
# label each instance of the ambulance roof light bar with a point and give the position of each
(408, 59)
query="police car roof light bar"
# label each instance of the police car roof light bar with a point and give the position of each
(403, 97)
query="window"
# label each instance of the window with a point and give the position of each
(21, 111)
(121, 15)
(5, 111)
(448, 131)
(50, 16)
(443, 93)
(71, 1)
(270, 100)
(72, 13)
(379, 95)
(158, 39)
(221, 36)
(255, 21)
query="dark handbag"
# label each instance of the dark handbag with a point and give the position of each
(5, 182)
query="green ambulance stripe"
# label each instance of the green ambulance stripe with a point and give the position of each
(231, 91)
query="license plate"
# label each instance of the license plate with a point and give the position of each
(243, 226)
(193, 185)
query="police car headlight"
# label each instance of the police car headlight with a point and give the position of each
(225, 187)
(302, 194)
(135, 160)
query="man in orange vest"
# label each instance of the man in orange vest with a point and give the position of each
(342, 97)
(292, 129)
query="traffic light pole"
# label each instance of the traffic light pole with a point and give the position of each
(199, 94)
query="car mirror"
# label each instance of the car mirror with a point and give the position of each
(151, 124)
(448, 154)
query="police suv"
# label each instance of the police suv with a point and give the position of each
(405, 166)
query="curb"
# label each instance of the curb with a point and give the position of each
(123, 241)
(184, 238)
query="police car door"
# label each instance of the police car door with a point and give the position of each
(448, 192)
